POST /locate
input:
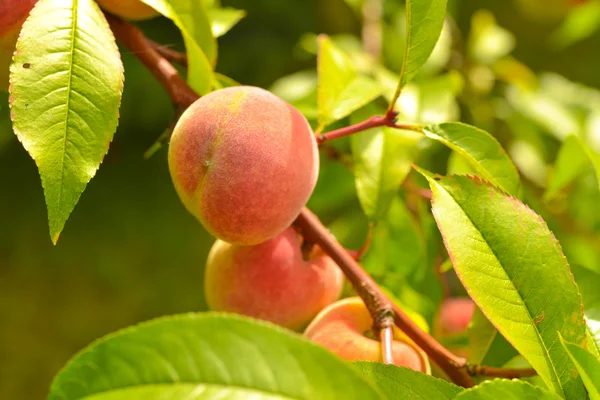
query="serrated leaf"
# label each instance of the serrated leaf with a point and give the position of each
(191, 18)
(382, 160)
(223, 19)
(406, 384)
(481, 151)
(514, 269)
(424, 23)
(229, 352)
(587, 365)
(506, 390)
(341, 90)
(486, 345)
(572, 160)
(66, 82)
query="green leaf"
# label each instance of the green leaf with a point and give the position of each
(488, 42)
(185, 391)
(382, 160)
(406, 384)
(514, 269)
(592, 317)
(223, 19)
(582, 22)
(231, 355)
(486, 345)
(191, 18)
(424, 23)
(398, 258)
(507, 390)
(66, 83)
(481, 151)
(587, 365)
(572, 160)
(341, 90)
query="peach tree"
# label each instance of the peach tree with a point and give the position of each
(436, 197)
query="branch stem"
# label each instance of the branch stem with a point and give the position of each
(508, 373)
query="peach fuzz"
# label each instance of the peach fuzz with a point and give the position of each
(271, 281)
(133, 10)
(244, 163)
(342, 328)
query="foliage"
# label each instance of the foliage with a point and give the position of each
(513, 189)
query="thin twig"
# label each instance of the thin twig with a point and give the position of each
(168, 53)
(381, 307)
(376, 300)
(508, 373)
(134, 40)
(375, 121)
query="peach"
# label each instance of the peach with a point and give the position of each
(244, 163)
(133, 10)
(271, 280)
(455, 315)
(343, 329)
(12, 15)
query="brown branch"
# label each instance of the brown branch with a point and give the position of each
(380, 306)
(375, 121)
(130, 36)
(508, 373)
(168, 53)
(377, 302)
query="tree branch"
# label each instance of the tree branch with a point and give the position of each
(132, 38)
(508, 373)
(377, 302)
(381, 307)
(169, 54)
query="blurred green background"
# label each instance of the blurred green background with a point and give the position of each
(130, 251)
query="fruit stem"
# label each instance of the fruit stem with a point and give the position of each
(386, 335)
(376, 300)
(380, 306)
(132, 38)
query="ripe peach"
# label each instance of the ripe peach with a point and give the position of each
(12, 15)
(243, 162)
(455, 316)
(133, 10)
(342, 329)
(271, 280)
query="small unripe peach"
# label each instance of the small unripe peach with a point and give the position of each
(455, 315)
(12, 15)
(244, 162)
(271, 280)
(134, 10)
(341, 329)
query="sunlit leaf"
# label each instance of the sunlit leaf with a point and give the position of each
(222, 355)
(572, 160)
(506, 390)
(191, 18)
(66, 83)
(404, 383)
(481, 151)
(582, 22)
(341, 90)
(488, 42)
(223, 19)
(382, 160)
(424, 23)
(588, 366)
(514, 269)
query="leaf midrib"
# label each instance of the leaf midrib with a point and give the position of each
(68, 101)
(535, 327)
